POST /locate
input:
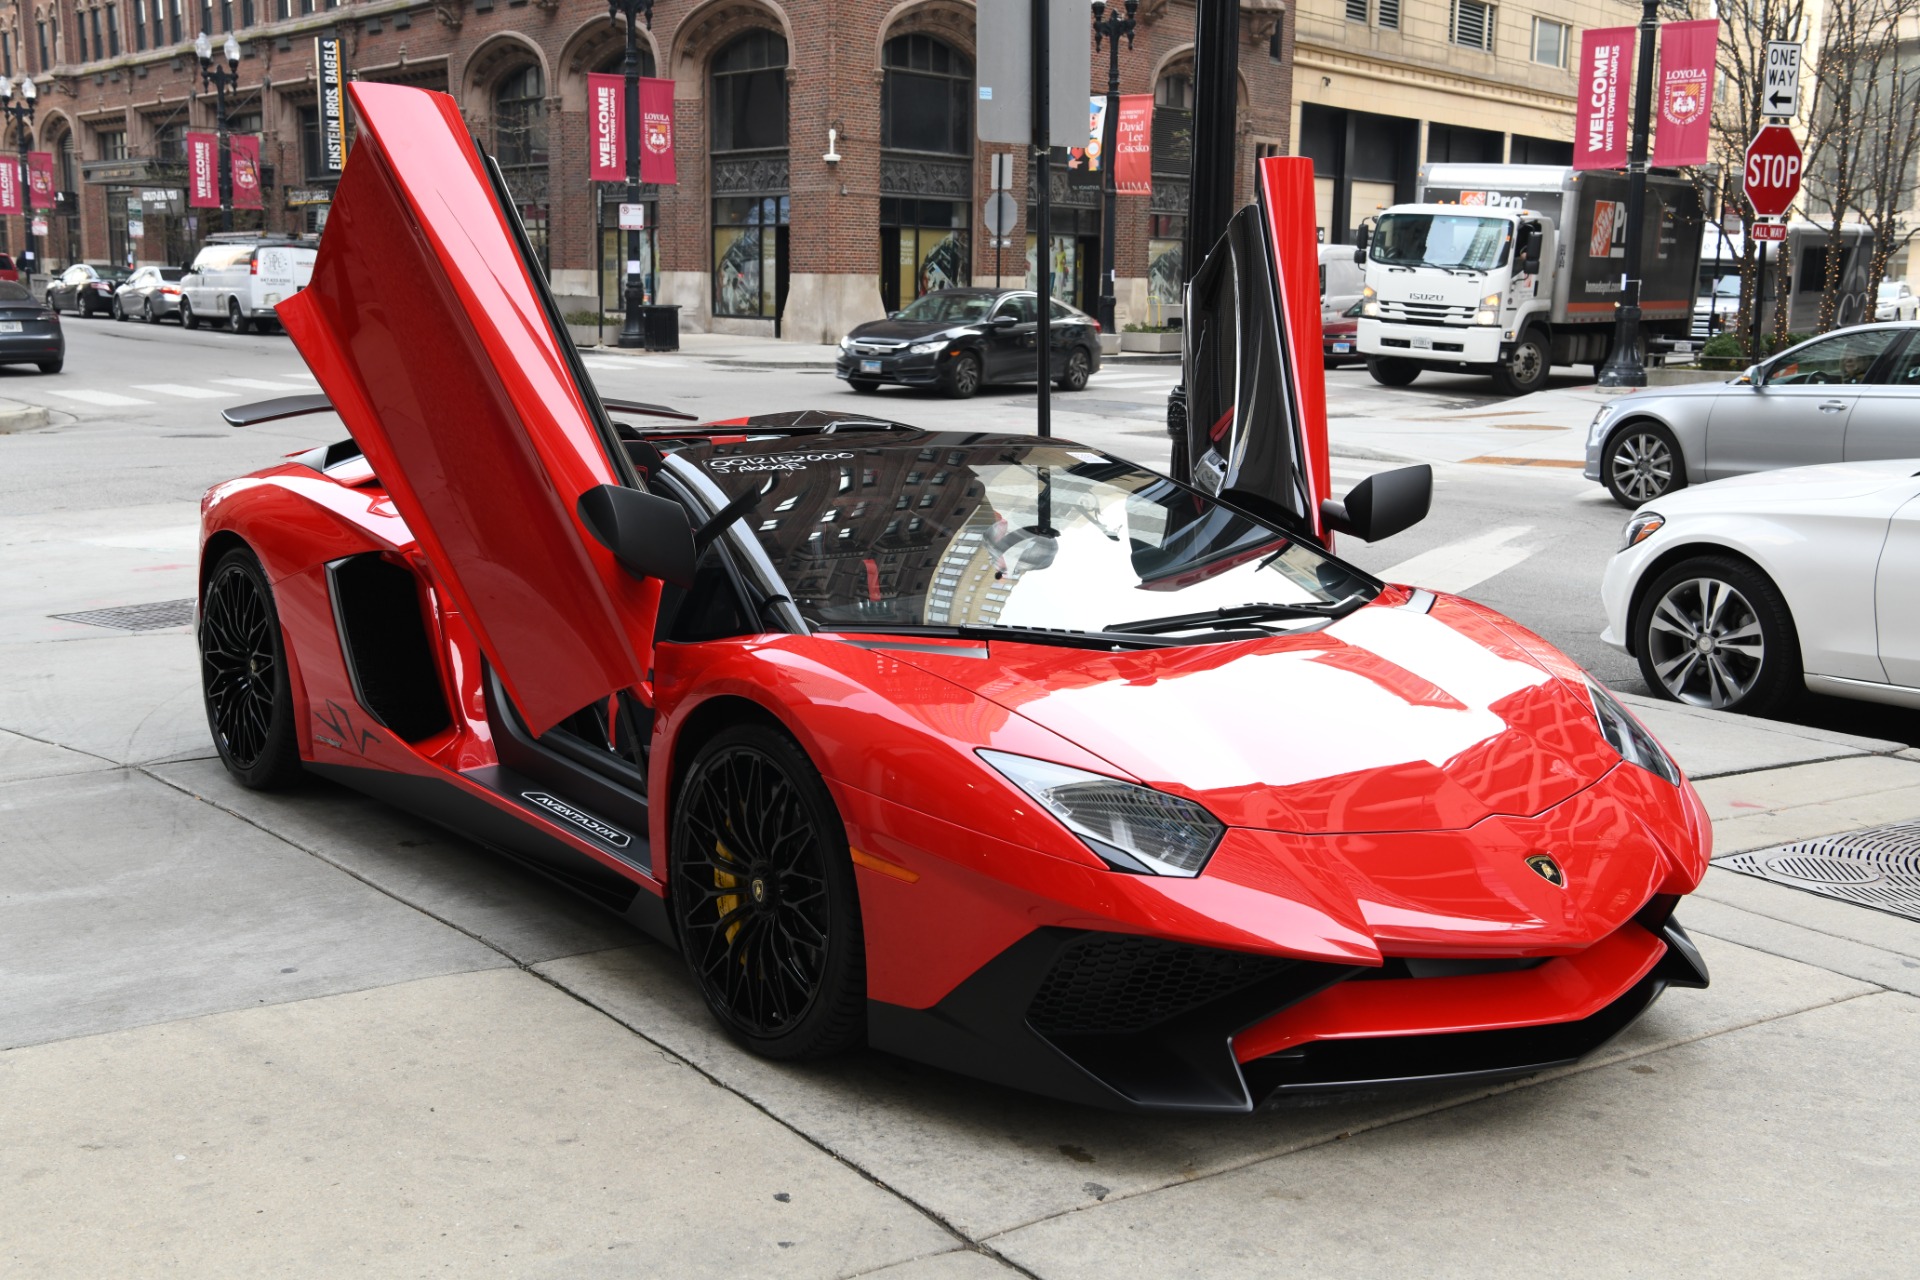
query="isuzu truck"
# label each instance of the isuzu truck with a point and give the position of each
(1512, 269)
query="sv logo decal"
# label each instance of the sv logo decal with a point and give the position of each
(345, 735)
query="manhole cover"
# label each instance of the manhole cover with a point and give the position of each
(136, 617)
(1878, 867)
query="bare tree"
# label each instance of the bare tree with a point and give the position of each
(1890, 168)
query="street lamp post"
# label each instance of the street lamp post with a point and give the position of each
(18, 101)
(222, 80)
(1109, 23)
(1624, 368)
(635, 12)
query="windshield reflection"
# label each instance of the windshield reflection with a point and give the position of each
(1441, 240)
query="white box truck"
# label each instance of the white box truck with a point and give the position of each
(1511, 269)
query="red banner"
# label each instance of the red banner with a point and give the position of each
(203, 169)
(1687, 52)
(656, 132)
(1133, 146)
(244, 150)
(9, 185)
(40, 178)
(1605, 90)
(606, 134)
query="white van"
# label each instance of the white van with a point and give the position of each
(240, 282)
(1340, 280)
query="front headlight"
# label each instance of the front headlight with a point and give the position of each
(1486, 317)
(1131, 827)
(1642, 526)
(1629, 737)
(927, 348)
(846, 343)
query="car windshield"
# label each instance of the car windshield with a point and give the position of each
(1008, 532)
(1447, 240)
(950, 308)
(114, 273)
(1726, 287)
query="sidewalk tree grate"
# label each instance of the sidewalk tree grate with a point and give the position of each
(1878, 867)
(136, 617)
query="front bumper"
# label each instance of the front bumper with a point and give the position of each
(1142, 1024)
(1462, 344)
(901, 369)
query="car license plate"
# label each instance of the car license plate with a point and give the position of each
(1683, 348)
(869, 366)
(1423, 344)
(9, 326)
(1341, 348)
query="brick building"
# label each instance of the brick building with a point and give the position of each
(760, 231)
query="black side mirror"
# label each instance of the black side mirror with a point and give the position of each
(1362, 238)
(1003, 321)
(1382, 505)
(649, 535)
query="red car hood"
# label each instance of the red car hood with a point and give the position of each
(1392, 719)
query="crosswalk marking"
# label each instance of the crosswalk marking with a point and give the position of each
(183, 391)
(1459, 565)
(105, 399)
(260, 384)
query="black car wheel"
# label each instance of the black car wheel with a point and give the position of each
(116, 310)
(146, 312)
(1391, 371)
(1079, 369)
(1715, 632)
(764, 897)
(1641, 463)
(243, 674)
(188, 320)
(50, 302)
(963, 376)
(236, 319)
(53, 366)
(865, 386)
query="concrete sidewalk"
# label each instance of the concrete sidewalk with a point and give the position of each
(306, 1035)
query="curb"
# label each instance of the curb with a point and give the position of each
(24, 417)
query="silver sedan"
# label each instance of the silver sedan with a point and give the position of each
(1852, 395)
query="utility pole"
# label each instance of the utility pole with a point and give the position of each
(1624, 368)
(633, 11)
(1109, 23)
(1043, 218)
(223, 82)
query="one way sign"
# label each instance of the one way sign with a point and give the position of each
(1780, 94)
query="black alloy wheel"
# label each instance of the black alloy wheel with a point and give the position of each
(1715, 632)
(243, 674)
(963, 376)
(764, 897)
(146, 312)
(237, 319)
(188, 320)
(1079, 369)
(1392, 371)
(1641, 463)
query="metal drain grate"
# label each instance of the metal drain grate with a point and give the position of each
(136, 617)
(1878, 867)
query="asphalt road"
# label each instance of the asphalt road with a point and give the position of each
(136, 421)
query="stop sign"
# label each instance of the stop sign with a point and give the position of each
(1773, 170)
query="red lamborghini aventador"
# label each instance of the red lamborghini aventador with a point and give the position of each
(988, 750)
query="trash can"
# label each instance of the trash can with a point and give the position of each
(660, 327)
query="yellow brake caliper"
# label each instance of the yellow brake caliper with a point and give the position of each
(726, 903)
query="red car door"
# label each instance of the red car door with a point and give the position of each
(433, 334)
(1256, 392)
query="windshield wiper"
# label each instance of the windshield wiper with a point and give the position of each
(997, 631)
(1237, 615)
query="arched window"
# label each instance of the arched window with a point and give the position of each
(520, 145)
(748, 155)
(926, 171)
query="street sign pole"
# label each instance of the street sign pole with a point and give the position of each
(1043, 222)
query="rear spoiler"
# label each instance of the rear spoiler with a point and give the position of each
(252, 415)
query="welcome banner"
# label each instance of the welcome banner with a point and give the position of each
(1133, 146)
(607, 132)
(9, 185)
(244, 150)
(40, 178)
(1601, 127)
(203, 182)
(1687, 51)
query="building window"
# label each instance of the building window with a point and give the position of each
(1273, 45)
(1357, 11)
(113, 144)
(6, 52)
(1473, 24)
(1550, 42)
(139, 25)
(113, 31)
(170, 143)
(45, 61)
(750, 206)
(313, 159)
(926, 99)
(246, 13)
(520, 145)
(1389, 15)
(173, 22)
(226, 15)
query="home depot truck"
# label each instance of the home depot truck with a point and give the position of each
(1510, 269)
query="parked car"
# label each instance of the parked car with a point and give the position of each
(960, 340)
(239, 282)
(1341, 279)
(1337, 337)
(151, 293)
(29, 331)
(9, 270)
(1851, 395)
(1739, 594)
(1896, 301)
(85, 288)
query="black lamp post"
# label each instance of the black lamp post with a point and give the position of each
(18, 101)
(1624, 368)
(1110, 24)
(635, 12)
(222, 80)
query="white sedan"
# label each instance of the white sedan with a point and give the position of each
(1739, 593)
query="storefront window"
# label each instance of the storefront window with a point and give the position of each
(520, 145)
(749, 167)
(1167, 222)
(926, 174)
(748, 238)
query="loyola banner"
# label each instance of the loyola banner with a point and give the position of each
(244, 149)
(203, 168)
(9, 185)
(1600, 129)
(40, 178)
(1133, 146)
(607, 135)
(1687, 52)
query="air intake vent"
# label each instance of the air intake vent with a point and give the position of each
(1121, 983)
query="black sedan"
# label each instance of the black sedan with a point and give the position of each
(29, 332)
(960, 340)
(85, 288)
